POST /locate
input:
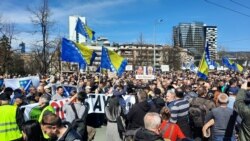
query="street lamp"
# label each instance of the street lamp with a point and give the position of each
(155, 23)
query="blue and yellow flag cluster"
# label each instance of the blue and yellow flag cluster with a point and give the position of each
(84, 30)
(231, 64)
(79, 53)
(112, 61)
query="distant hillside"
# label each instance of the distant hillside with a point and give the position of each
(238, 54)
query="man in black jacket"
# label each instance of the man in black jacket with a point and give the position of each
(138, 111)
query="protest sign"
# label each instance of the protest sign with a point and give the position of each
(144, 76)
(97, 103)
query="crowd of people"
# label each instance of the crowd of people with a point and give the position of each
(173, 106)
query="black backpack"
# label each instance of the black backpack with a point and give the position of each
(197, 113)
(79, 124)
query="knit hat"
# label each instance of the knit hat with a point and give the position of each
(4, 96)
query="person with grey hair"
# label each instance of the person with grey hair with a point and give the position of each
(150, 132)
(170, 98)
(45, 108)
(222, 119)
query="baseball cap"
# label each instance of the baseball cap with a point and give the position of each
(18, 95)
(233, 90)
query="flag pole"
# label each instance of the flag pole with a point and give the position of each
(77, 35)
(61, 69)
(78, 75)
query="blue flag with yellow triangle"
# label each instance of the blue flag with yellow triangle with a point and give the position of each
(112, 61)
(84, 30)
(74, 52)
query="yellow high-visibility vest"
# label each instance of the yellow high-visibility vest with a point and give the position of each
(47, 108)
(9, 129)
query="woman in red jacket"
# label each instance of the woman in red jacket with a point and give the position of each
(169, 130)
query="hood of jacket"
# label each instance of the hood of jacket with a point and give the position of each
(146, 135)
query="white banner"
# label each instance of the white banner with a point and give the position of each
(144, 76)
(129, 68)
(24, 82)
(164, 68)
(97, 103)
(27, 112)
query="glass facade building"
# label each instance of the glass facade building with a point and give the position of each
(192, 36)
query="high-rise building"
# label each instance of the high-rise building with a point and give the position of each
(192, 36)
(72, 33)
(211, 38)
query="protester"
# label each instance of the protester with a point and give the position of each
(242, 104)
(31, 131)
(158, 101)
(232, 92)
(11, 120)
(169, 130)
(101, 89)
(59, 94)
(125, 89)
(19, 99)
(79, 104)
(31, 95)
(113, 111)
(40, 89)
(44, 106)
(138, 111)
(52, 126)
(224, 120)
(179, 113)
(78, 110)
(16, 94)
(170, 98)
(198, 109)
(151, 132)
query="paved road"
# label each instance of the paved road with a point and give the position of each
(100, 134)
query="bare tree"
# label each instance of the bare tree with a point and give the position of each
(55, 61)
(52, 56)
(41, 18)
(7, 30)
(140, 40)
(171, 56)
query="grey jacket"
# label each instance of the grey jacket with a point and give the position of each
(244, 112)
(70, 115)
